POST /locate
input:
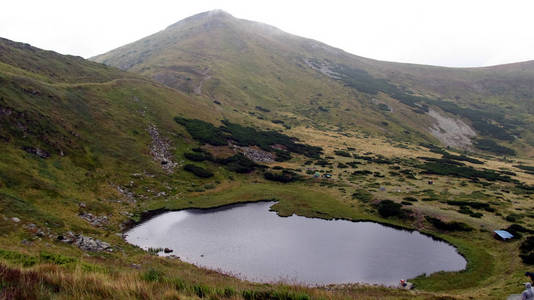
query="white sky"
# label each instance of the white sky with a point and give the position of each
(438, 32)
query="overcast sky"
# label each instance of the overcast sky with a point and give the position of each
(447, 33)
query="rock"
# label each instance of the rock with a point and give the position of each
(160, 149)
(39, 152)
(85, 243)
(82, 205)
(136, 266)
(98, 221)
(167, 250)
(91, 244)
(15, 219)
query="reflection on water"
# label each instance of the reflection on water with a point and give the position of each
(254, 243)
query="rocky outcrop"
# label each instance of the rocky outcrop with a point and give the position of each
(97, 221)
(255, 154)
(36, 151)
(160, 149)
(451, 132)
(85, 243)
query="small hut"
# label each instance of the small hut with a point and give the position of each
(502, 235)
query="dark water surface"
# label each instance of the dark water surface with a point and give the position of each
(256, 244)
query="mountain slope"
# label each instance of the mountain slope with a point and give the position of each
(87, 150)
(260, 70)
(85, 157)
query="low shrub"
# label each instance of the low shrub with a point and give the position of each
(239, 164)
(462, 158)
(388, 208)
(198, 156)
(491, 146)
(448, 226)
(285, 176)
(342, 153)
(198, 171)
(362, 172)
(527, 250)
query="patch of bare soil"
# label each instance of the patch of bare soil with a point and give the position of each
(451, 132)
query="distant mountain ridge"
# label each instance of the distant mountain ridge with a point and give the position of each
(245, 64)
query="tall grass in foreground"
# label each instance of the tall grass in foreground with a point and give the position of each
(47, 281)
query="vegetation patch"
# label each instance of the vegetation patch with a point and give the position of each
(244, 136)
(342, 153)
(203, 132)
(457, 169)
(491, 146)
(198, 171)
(362, 195)
(198, 156)
(448, 226)
(472, 204)
(527, 250)
(285, 176)
(527, 169)
(462, 158)
(389, 208)
(239, 164)
(274, 295)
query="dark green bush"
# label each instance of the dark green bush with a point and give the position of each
(263, 109)
(452, 168)
(282, 155)
(353, 164)
(244, 136)
(491, 146)
(198, 171)
(462, 158)
(198, 156)
(448, 226)
(527, 169)
(388, 208)
(472, 204)
(362, 172)
(527, 250)
(239, 163)
(342, 153)
(203, 132)
(285, 176)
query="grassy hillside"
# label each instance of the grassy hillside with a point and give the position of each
(86, 156)
(247, 65)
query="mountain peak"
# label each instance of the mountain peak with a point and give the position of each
(215, 14)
